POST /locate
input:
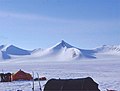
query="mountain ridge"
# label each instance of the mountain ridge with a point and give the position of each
(61, 51)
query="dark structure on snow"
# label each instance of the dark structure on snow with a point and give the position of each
(83, 84)
(5, 77)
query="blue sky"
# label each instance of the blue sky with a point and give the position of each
(42, 23)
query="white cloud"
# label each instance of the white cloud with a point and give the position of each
(31, 17)
(81, 25)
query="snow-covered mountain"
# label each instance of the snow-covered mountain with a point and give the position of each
(13, 50)
(107, 52)
(108, 49)
(62, 51)
(7, 51)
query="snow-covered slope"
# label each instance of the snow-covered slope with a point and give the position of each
(7, 51)
(105, 69)
(62, 51)
(13, 50)
(65, 51)
(108, 49)
(105, 72)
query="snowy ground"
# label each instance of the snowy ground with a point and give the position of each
(105, 72)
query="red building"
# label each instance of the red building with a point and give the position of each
(21, 75)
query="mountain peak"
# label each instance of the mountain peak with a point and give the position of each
(65, 44)
(62, 44)
(62, 41)
(13, 50)
(12, 46)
